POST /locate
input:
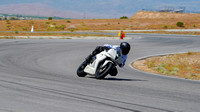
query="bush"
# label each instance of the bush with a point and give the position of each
(62, 27)
(8, 27)
(47, 22)
(54, 23)
(85, 28)
(24, 29)
(172, 27)
(124, 17)
(165, 26)
(50, 18)
(72, 30)
(14, 18)
(68, 21)
(16, 32)
(82, 24)
(8, 21)
(180, 24)
(51, 28)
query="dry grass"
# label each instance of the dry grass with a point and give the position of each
(185, 65)
(77, 25)
(141, 20)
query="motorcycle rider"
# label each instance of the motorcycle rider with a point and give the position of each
(122, 52)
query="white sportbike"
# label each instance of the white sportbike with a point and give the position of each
(101, 65)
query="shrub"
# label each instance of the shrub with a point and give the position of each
(8, 21)
(85, 28)
(82, 24)
(53, 23)
(180, 24)
(8, 27)
(14, 18)
(165, 26)
(172, 27)
(62, 27)
(51, 28)
(50, 18)
(72, 30)
(189, 53)
(47, 22)
(124, 17)
(68, 21)
(24, 29)
(16, 32)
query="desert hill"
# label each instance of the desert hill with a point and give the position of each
(37, 9)
(163, 15)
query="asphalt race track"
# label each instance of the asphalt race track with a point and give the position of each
(39, 75)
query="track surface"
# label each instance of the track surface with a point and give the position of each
(40, 76)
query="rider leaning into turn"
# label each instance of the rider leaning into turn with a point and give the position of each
(123, 49)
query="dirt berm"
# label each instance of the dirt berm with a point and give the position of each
(163, 15)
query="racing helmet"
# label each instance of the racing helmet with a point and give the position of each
(125, 47)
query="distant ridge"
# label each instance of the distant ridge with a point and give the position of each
(26, 17)
(37, 10)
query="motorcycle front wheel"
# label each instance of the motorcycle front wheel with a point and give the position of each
(80, 71)
(102, 71)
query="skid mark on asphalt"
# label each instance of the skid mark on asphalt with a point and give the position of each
(88, 98)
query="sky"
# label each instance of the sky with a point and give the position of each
(104, 8)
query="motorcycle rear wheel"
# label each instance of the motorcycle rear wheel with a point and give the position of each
(80, 71)
(102, 72)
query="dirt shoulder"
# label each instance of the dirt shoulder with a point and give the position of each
(186, 65)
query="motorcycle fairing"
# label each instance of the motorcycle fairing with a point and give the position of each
(92, 67)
